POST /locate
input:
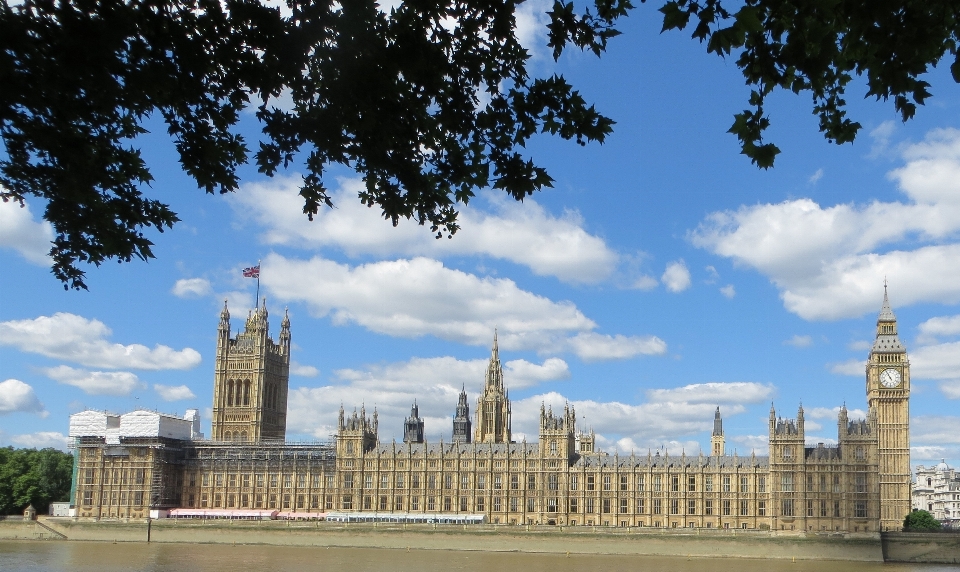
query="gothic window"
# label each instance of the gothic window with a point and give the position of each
(657, 506)
(368, 481)
(415, 481)
(786, 482)
(465, 482)
(400, 482)
(463, 504)
(514, 504)
(246, 392)
(447, 504)
(744, 484)
(761, 508)
(574, 505)
(606, 482)
(691, 506)
(691, 484)
(708, 507)
(726, 483)
(860, 483)
(480, 504)
(606, 506)
(708, 484)
(497, 481)
(384, 482)
(514, 482)
(656, 483)
(229, 392)
(858, 454)
(674, 483)
(860, 509)
(243, 436)
(497, 504)
(744, 508)
(552, 504)
(531, 482)
(787, 507)
(574, 482)
(481, 482)
(531, 504)
(641, 508)
(553, 447)
(623, 482)
(641, 480)
(726, 507)
(788, 453)
(553, 482)
(836, 483)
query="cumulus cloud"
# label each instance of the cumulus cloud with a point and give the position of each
(17, 396)
(715, 393)
(173, 392)
(937, 327)
(951, 389)
(937, 361)
(757, 444)
(523, 233)
(20, 232)
(828, 413)
(75, 338)
(829, 262)
(591, 346)
(645, 283)
(411, 298)
(935, 430)
(434, 383)
(41, 440)
(96, 382)
(301, 370)
(728, 291)
(816, 177)
(676, 277)
(192, 288)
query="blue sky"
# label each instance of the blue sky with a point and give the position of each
(664, 275)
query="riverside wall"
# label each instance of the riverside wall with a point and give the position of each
(943, 548)
(535, 539)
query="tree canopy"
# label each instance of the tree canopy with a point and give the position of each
(921, 521)
(428, 101)
(31, 476)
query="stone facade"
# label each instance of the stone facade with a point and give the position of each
(937, 491)
(559, 479)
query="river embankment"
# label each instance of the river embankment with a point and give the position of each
(700, 543)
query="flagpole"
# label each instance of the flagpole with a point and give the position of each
(257, 299)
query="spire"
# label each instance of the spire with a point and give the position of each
(886, 312)
(285, 324)
(717, 424)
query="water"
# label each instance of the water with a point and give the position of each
(33, 556)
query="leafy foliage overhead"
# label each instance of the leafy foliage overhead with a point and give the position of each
(428, 101)
(818, 46)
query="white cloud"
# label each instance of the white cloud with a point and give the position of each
(728, 291)
(41, 440)
(712, 275)
(799, 341)
(173, 392)
(192, 288)
(19, 231)
(881, 138)
(531, 26)
(951, 389)
(96, 382)
(74, 338)
(935, 430)
(676, 277)
(410, 298)
(523, 233)
(938, 361)
(434, 383)
(301, 370)
(17, 396)
(715, 393)
(591, 346)
(829, 262)
(855, 367)
(757, 444)
(816, 177)
(939, 326)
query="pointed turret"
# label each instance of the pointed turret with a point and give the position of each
(717, 440)
(461, 419)
(493, 406)
(887, 339)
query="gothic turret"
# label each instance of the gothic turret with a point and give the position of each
(461, 419)
(413, 426)
(717, 440)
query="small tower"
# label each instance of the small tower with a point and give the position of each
(717, 441)
(461, 419)
(493, 406)
(356, 434)
(558, 432)
(413, 426)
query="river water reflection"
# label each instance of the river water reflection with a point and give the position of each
(33, 556)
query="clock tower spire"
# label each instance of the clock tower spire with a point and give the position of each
(888, 396)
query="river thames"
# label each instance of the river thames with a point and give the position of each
(34, 556)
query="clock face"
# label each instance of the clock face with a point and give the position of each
(890, 378)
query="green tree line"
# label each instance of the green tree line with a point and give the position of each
(29, 476)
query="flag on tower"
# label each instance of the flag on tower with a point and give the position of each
(252, 272)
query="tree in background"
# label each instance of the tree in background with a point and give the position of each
(921, 521)
(29, 476)
(428, 101)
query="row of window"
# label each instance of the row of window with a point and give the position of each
(116, 476)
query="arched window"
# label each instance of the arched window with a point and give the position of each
(229, 392)
(226, 436)
(246, 392)
(243, 436)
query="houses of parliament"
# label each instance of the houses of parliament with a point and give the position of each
(145, 463)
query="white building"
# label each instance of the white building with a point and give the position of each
(937, 491)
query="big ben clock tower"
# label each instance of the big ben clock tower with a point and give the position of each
(888, 396)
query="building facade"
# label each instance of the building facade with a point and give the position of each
(937, 491)
(561, 479)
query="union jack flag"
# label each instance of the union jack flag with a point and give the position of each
(252, 272)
